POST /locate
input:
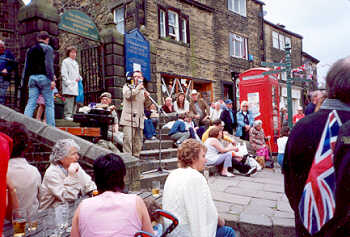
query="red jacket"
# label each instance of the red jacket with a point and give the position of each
(5, 152)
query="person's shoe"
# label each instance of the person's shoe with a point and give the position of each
(68, 118)
(177, 144)
(251, 172)
(228, 174)
(153, 138)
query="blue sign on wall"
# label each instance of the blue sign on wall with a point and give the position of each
(137, 53)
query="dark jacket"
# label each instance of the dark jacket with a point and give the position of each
(39, 61)
(166, 109)
(300, 151)
(226, 118)
(310, 108)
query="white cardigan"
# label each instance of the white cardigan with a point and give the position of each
(70, 73)
(187, 196)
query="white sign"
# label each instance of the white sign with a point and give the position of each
(254, 103)
(136, 67)
(295, 94)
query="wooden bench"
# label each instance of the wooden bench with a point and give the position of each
(83, 131)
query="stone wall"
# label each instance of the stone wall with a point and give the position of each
(44, 137)
(250, 27)
(9, 24)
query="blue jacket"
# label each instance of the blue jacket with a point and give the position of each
(178, 126)
(241, 124)
(4, 61)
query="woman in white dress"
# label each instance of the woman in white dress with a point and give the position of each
(216, 112)
(187, 196)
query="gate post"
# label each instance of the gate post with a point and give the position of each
(37, 16)
(114, 72)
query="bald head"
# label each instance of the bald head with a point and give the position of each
(338, 80)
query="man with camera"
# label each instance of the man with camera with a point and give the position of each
(132, 118)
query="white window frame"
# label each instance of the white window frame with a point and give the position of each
(275, 40)
(176, 33)
(288, 40)
(238, 6)
(238, 46)
(162, 23)
(120, 23)
(281, 41)
(184, 30)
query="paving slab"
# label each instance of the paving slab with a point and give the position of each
(254, 206)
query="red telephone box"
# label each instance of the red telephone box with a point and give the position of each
(262, 93)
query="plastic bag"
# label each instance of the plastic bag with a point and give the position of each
(80, 97)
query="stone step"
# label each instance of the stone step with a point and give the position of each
(168, 164)
(154, 144)
(146, 179)
(154, 154)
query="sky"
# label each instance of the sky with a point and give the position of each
(322, 23)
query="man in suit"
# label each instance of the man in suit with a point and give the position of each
(301, 150)
(228, 117)
(132, 118)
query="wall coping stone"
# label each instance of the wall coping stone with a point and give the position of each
(38, 8)
(50, 134)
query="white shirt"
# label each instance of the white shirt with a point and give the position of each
(70, 73)
(26, 179)
(215, 114)
(281, 143)
(187, 196)
(184, 110)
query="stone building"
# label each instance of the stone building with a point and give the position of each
(9, 28)
(276, 38)
(310, 63)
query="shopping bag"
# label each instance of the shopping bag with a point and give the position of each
(80, 97)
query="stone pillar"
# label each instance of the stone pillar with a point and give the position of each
(37, 16)
(114, 61)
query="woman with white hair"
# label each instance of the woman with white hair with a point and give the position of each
(257, 140)
(64, 180)
(245, 121)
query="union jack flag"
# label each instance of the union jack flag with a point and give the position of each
(317, 203)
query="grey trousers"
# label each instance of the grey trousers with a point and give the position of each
(179, 137)
(133, 140)
(225, 158)
(69, 105)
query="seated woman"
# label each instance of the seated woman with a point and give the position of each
(64, 179)
(217, 153)
(111, 213)
(26, 178)
(187, 196)
(181, 105)
(257, 140)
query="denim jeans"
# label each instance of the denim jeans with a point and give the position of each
(280, 159)
(225, 231)
(3, 88)
(40, 84)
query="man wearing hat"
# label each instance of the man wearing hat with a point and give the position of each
(299, 115)
(228, 117)
(200, 109)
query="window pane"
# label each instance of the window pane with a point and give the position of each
(184, 31)
(281, 39)
(173, 21)
(275, 42)
(162, 23)
(230, 4)
(171, 17)
(236, 5)
(119, 19)
(288, 42)
(243, 7)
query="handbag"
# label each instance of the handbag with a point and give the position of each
(80, 97)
